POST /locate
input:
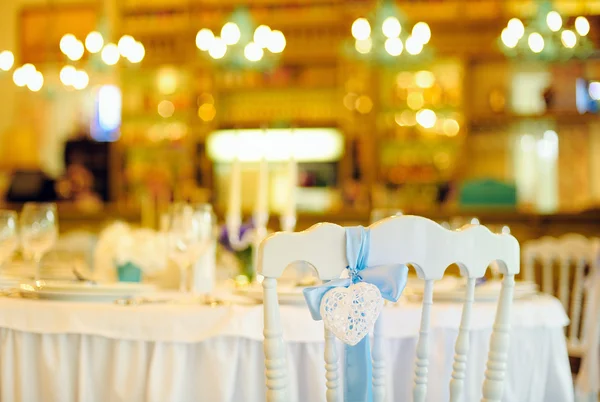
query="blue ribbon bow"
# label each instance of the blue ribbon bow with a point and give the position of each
(389, 279)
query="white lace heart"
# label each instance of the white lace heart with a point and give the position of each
(350, 313)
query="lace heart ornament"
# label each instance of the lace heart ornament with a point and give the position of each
(350, 313)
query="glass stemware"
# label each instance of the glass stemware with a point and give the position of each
(9, 240)
(204, 256)
(186, 239)
(39, 231)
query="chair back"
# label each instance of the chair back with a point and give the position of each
(570, 254)
(414, 240)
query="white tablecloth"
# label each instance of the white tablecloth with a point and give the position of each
(62, 352)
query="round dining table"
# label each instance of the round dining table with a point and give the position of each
(64, 351)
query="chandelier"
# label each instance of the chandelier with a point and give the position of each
(387, 38)
(545, 37)
(110, 54)
(241, 44)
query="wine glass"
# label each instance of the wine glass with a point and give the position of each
(39, 231)
(9, 239)
(185, 234)
(204, 254)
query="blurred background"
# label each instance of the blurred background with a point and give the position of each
(451, 109)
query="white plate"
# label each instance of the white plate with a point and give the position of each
(73, 291)
(286, 295)
(86, 287)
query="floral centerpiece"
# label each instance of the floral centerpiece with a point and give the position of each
(243, 251)
(141, 251)
(126, 254)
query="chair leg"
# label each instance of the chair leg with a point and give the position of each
(331, 368)
(273, 345)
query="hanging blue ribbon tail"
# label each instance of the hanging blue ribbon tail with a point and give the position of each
(358, 383)
(389, 279)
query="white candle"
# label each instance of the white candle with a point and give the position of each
(262, 190)
(234, 209)
(290, 207)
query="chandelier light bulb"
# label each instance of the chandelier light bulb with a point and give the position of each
(554, 21)
(253, 52)
(582, 26)
(67, 75)
(137, 52)
(361, 29)
(110, 54)
(76, 50)
(536, 42)
(230, 33)
(66, 43)
(36, 81)
(508, 38)
(277, 42)
(7, 60)
(516, 28)
(204, 39)
(363, 46)
(94, 42)
(394, 46)
(391, 27)
(80, 80)
(20, 77)
(413, 46)
(28, 70)
(421, 32)
(218, 48)
(262, 35)
(568, 38)
(125, 45)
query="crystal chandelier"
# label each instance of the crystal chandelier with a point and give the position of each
(110, 54)
(241, 44)
(545, 37)
(387, 38)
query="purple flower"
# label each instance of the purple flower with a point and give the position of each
(224, 235)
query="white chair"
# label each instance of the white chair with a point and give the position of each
(581, 299)
(587, 384)
(571, 250)
(430, 248)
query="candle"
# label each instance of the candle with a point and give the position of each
(234, 209)
(262, 191)
(290, 207)
(261, 208)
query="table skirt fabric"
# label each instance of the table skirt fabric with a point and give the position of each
(42, 367)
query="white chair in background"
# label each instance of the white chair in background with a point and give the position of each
(587, 384)
(563, 253)
(430, 248)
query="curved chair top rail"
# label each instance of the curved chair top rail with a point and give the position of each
(405, 239)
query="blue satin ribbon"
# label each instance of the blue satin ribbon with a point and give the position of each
(389, 279)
